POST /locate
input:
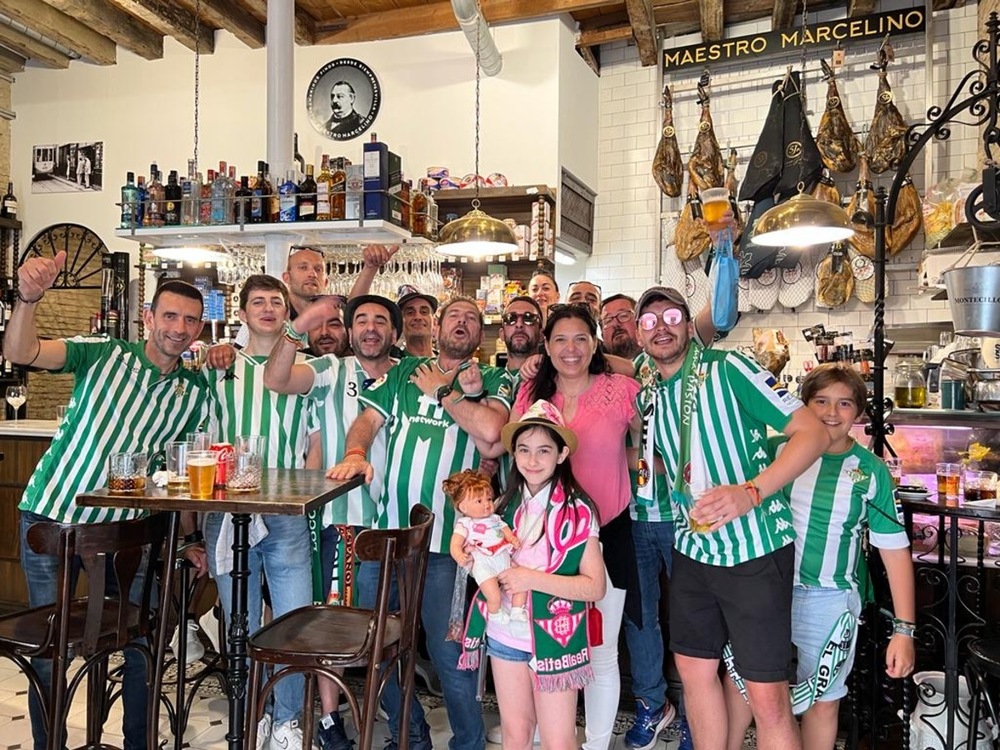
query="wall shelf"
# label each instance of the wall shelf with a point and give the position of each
(305, 233)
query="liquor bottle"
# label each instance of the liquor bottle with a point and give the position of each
(287, 198)
(376, 161)
(130, 202)
(154, 206)
(205, 206)
(419, 213)
(232, 185)
(8, 207)
(172, 205)
(323, 184)
(274, 209)
(432, 214)
(190, 195)
(261, 196)
(142, 201)
(219, 195)
(338, 189)
(307, 196)
(244, 201)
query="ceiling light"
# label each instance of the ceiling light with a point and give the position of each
(802, 221)
(191, 254)
(564, 257)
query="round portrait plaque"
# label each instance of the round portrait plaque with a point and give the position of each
(343, 99)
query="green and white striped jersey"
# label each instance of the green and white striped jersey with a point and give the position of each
(832, 502)
(737, 400)
(121, 403)
(243, 406)
(337, 384)
(425, 446)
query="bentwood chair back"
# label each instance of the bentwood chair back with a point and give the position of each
(323, 640)
(111, 555)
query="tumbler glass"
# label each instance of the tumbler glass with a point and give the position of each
(127, 473)
(245, 464)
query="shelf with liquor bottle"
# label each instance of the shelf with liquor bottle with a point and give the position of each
(10, 241)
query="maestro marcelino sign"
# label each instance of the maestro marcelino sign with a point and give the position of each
(906, 21)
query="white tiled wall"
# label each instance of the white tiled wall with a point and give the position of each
(627, 254)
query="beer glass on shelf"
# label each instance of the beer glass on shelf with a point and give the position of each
(127, 473)
(980, 485)
(16, 396)
(245, 464)
(947, 480)
(177, 476)
(201, 473)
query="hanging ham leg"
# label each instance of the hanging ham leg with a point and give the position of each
(909, 218)
(836, 141)
(692, 238)
(668, 166)
(705, 167)
(886, 144)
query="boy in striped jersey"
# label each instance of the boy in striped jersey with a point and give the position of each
(244, 406)
(335, 385)
(126, 397)
(440, 413)
(732, 578)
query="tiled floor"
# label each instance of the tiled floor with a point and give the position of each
(206, 728)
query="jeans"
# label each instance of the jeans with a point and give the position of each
(41, 571)
(459, 686)
(285, 557)
(654, 542)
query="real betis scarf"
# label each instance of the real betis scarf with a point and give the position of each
(559, 641)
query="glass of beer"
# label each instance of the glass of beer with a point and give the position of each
(714, 204)
(127, 473)
(895, 467)
(177, 476)
(245, 464)
(947, 480)
(201, 473)
(980, 485)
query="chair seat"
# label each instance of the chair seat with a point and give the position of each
(986, 652)
(28, 631)
(332, 635)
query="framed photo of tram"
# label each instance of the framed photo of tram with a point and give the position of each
(67, 167)
(343, 99)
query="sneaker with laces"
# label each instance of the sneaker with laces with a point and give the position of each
(330, 734)
(648, 724)
(263, 732)
(286, 736)
(194, 650)
(684, 741)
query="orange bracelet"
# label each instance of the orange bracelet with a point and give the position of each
(357, 452)
(754, 493)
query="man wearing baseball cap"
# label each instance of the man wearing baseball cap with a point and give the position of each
(418, 321)
(334, 384)
(706, 414)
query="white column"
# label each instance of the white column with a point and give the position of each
(280, 127)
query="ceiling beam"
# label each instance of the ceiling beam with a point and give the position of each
(228, 15)
(10, 62)
(710, 14)
(305, 26)
(439, 16)
(61, 28)
(783, 15)
(169, 17)
(595, 37)
(640, 17)
(115, 24)
(857, 8)
(589, 55)
(32, 49)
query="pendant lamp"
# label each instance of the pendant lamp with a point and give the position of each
(802, 221)
(477, 234)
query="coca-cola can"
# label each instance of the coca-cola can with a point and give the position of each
(225, 452)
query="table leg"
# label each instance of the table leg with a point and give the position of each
(237, 667)
(160, 648)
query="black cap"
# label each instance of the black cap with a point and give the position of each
(662, 292)
(409, 292)
(355, 302)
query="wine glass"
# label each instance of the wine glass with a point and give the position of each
(16, 396)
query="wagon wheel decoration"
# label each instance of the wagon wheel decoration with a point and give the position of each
(82, 245)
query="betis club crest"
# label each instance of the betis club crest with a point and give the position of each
(563, 624)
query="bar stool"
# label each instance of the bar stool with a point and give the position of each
(983, 662)
(319, 639)
(92, 627)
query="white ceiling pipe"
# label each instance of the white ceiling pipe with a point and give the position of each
(477, 32)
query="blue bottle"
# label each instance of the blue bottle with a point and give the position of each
(288, 198)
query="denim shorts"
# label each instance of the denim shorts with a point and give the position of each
(507, 653)
(814, 612)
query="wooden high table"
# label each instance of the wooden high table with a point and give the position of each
(291, 492)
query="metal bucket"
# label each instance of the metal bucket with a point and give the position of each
(974, 297)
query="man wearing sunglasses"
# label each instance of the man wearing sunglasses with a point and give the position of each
(706, 414)
(521, 330)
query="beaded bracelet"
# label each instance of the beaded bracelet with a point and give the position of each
(754, 491)
(357, 452)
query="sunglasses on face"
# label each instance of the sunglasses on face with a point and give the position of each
(621, 317)
(511, 318)
(671, 316)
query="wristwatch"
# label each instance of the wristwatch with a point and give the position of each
(442, 393)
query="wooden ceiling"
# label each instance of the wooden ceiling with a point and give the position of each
(52, 33)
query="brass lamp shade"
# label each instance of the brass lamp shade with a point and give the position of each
(476, 235)
(802, 221)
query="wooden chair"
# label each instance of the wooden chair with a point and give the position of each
(319, 639)
(983, 663)
(91, 627)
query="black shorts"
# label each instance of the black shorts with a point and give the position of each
(749, 604)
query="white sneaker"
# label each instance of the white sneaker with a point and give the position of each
(210, 626)
(494, 737)
(194, 650)
(263, 731)
(287, 736)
